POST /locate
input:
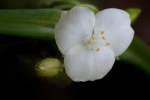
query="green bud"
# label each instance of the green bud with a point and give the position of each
(48, 67)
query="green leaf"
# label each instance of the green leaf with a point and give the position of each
(31, 23)
(91, 7)
(26, 30)
(63, 4)
(138, 54)
(134, 13)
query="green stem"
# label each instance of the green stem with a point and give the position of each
(35, 23)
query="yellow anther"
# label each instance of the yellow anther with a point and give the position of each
(103, 38)
(89, 42)
(93, 36)
(102, 33)
(97, 49)
(107, 44)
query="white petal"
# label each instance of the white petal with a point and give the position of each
(73, 26)
(88, 65)
(116, 25)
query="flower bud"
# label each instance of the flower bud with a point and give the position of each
(49, 67)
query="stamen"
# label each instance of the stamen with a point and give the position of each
(97, 49)
(93, 36)
(88, 42)
(102, 33)
(103, 38)
(107, 44)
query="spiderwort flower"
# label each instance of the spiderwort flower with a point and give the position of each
(91, 42)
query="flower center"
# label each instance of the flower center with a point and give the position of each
(94, 42)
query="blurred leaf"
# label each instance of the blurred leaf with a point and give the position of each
(63, 4)
(5, 4)
(134, 13)
(91, 7)
(37, 23)
(138, 54)
(46, 17)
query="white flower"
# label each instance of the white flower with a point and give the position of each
(90, 43)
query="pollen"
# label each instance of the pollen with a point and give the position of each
(107, 44)
(88, 42)
(97, 49)
(93, 36)
(103, 38)
(102, 33)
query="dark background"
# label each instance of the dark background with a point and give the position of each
(124, 80)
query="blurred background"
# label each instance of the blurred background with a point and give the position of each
(18, 54)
